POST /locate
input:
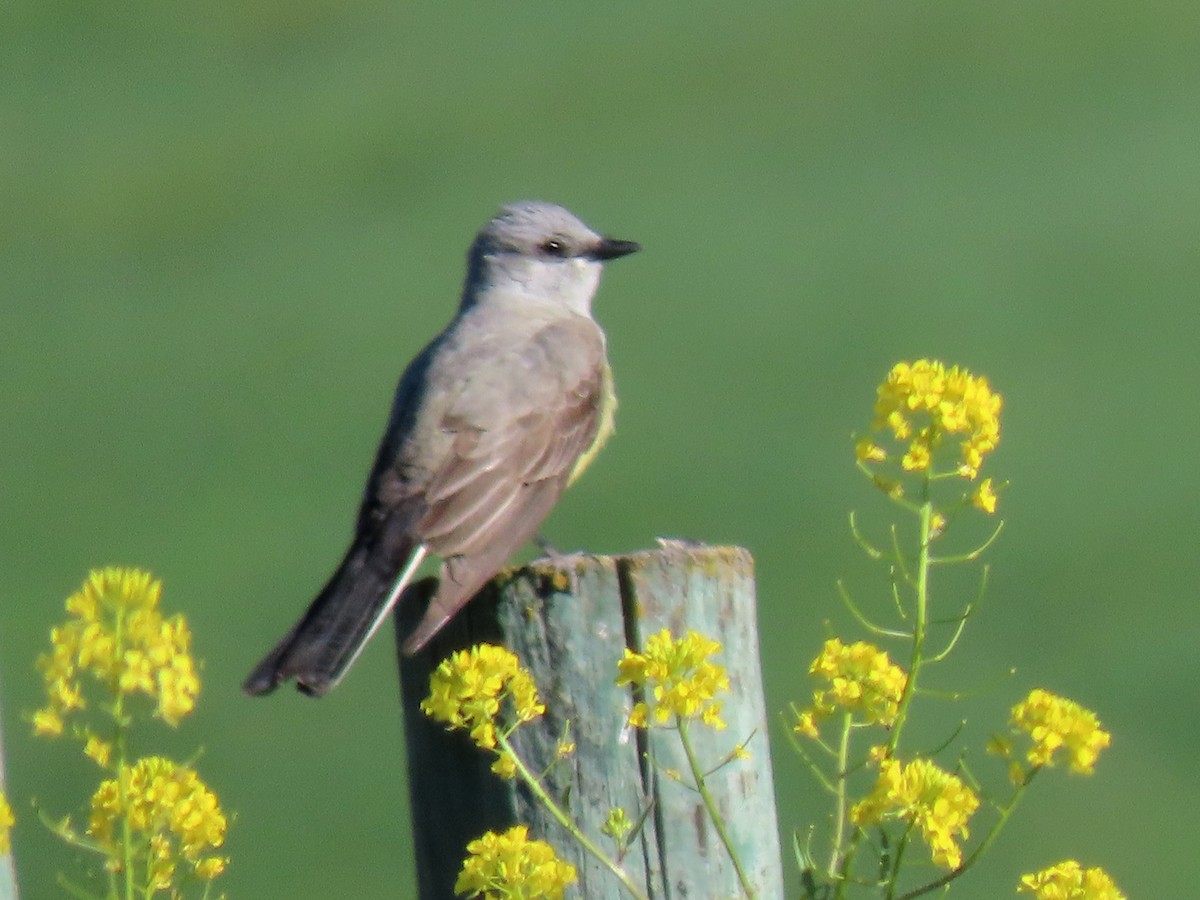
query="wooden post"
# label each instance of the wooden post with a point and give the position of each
(8, 874)
(570, 626)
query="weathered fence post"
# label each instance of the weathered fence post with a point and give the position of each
(570, 627)
(8, 874)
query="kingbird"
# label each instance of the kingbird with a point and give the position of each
(490, 424)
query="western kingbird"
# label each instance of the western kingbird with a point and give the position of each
(490, 423)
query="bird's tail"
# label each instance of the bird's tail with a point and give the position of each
(334, 628)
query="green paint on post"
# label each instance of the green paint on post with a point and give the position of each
(570, 621)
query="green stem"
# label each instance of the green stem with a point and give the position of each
(897, 860)
(119, 746)
(847, 865)
(711, 805)
(564, 820)
(920, 624)
(839, 815)
(74, 890)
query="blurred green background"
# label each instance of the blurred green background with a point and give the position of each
(228, 226)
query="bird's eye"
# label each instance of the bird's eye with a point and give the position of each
(554, 247)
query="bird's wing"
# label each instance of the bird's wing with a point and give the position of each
(509, 460)
(485, 488)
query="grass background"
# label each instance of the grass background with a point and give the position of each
(228, 226)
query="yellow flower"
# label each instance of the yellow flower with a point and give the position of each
(862, 679)
(985, 497)
(1055, 723)
(116, 635)
(210, 867)
(47, 723)
(866, 450)
(468, 690)
(677, 679)
(161, 862)
(806, 725)
(1070, 881)
(98, 750)
(168, 808)
(928, 797)
(924, 402)
(937, 525)
(509, 865)
(918, 457)
(7, 821)
(505, 765)
(637, 716)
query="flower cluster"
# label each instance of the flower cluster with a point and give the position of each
(7, 821)
(171, 813)
(862, 680)
(117, 635)
(1070, 881)
(468, 690)
(928, 797)
(678, 679)
(1055, 723)
(922, 403)
(509, 865)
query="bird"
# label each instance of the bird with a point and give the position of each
(490, 423)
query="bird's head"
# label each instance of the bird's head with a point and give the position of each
(541, 251)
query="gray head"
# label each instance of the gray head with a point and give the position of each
(540, 251)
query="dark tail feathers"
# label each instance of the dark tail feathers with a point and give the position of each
(325, 641)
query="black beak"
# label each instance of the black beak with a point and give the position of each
(611, 248)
